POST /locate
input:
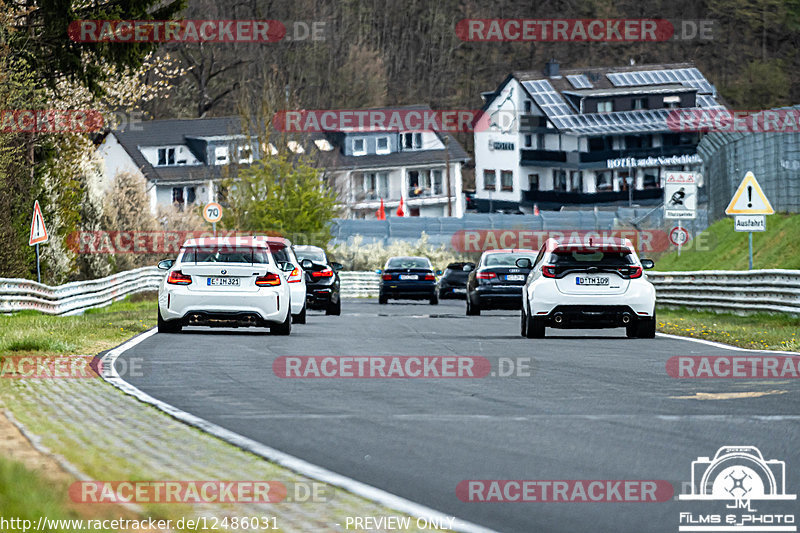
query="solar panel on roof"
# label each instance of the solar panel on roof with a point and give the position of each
(580, 81)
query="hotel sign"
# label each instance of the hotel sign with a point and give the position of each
(633, 162)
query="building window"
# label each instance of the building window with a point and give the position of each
(245, 154)
(177, 196)
(651, 179)
(560, 180)
(166, 156)
(597, 144)
(506, 180)
(640, 103)
(576, 181)
(382, 145)
(359, 146)
(436, 182)
(527, 106)
(412, 141)
(672, 102)
(533, 182)
(540, 141)
(528, 140)
(603, 181)
(221, 155)
(489, 180)
(605, 106)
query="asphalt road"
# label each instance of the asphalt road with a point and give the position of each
(596, 405)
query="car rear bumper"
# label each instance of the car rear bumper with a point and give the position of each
(591, 316)
(409, 290)
(319, 298)
(502, 296)
(208, 308)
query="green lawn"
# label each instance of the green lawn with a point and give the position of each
(778, 247)
(761, 331)
(30, 332)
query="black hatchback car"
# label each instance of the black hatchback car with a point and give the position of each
(410, 278)
(453, 283)
(322, 279)
(496, 282)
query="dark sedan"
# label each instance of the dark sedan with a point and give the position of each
(322, 279)
(453, 283)
(410, 278)
(496, 282)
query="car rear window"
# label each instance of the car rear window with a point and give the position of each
(509, 259)
(225, 255)
(598, 258)
(312, 255)
(408, 262)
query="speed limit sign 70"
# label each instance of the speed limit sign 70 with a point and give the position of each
(679, 236)
(212, 212)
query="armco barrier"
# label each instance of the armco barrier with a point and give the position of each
(71, 298)
(720, 290)
(739, 291)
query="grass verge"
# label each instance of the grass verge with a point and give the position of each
(757, 332)
(30, 332)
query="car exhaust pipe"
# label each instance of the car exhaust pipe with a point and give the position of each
(626, 318)
(558, 318)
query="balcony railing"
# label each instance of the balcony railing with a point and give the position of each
(425, 192)
(565, 198)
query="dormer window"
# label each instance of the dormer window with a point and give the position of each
(605, 106)
(672, 102)
(412, 141)
(221, 155)
(527, 106)
(640, 103)
(382, 145)
(359, 146)
(166, 156)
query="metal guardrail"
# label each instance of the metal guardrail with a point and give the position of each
(359, 284)
(739, 291)
(72, 298)
(726, 290)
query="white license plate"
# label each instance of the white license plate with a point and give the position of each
(515, 277)
(460, 291)
(593, 281)
(223, 282)
(409, 276)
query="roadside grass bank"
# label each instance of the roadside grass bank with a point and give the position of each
(109, 435)
(758, 332)
(778, 247)
(96, 330)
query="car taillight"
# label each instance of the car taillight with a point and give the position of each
(176, 277)
(549, 271)
(270, 280)
(387, 277)
(295, 276)
(634, 272)
(327, 273)
(430, 277)
(485, 275)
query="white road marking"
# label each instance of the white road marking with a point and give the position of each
(723, 346)
(271, 454)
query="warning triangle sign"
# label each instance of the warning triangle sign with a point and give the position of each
(749, 199)
(38, 229)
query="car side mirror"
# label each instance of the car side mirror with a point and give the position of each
(286, 266)
(469, 267)
(166, 264)
(647, 264)
(378, 271)
(524, 262)
(337, 266)
(307, 264)
(438, 272)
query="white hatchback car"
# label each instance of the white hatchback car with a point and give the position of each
(601, 285)
(226, 282)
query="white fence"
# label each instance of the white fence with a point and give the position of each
(741, 291)
(71, 298)
(722, 290)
